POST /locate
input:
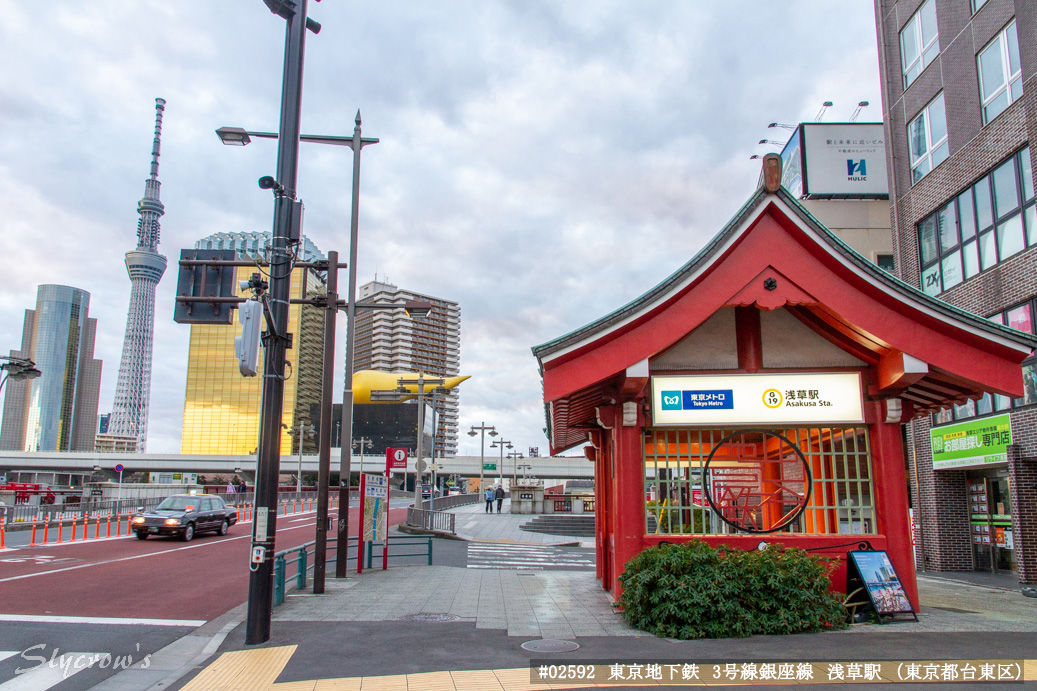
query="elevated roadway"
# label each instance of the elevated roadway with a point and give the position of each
(554, 467)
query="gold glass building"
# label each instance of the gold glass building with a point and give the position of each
(221, 407)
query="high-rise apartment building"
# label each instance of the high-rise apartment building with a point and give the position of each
(960, 100)
(221, 407)
(391, 341)
(56, 411)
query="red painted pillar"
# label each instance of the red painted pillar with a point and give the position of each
(891, 502)
(629, 516)
(749, 338)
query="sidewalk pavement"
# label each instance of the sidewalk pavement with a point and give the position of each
(440, 628)
(474, 524)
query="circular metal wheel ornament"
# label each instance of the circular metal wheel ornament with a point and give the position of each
(757, 481)
(550, 645)
(431, 617)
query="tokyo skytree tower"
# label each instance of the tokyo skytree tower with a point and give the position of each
(145, 266)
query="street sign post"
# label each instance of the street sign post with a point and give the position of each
(119, 468)
(395, 459)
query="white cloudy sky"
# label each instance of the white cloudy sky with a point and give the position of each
(541, 162)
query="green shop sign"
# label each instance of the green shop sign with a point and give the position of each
(972, 443)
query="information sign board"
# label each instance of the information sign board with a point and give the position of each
(376, 505)
(764, 399)
(971, 443)
(396, 459)
(489, 466)
(874, 572)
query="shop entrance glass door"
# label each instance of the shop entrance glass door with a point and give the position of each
(990, 513)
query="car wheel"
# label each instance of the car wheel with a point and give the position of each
(188, 533)
(141, 536)
(224, 527)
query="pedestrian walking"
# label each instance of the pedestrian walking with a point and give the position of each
(489, 500)
(242, 487)
(230, 488)
(499, 494)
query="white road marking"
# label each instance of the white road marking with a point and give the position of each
(44, 675)
(4, 654)
(49, 619)
(136, 556)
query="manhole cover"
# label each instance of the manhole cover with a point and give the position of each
(434, 618)
(550, 645)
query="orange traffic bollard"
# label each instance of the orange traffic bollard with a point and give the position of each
(118, 524)
(61, 524)
(32, 543)
(3, 530)
(46, 528)
(108, 524)
(74, 526)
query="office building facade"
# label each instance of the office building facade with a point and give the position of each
(221, 407)
(56, 411)
(391, 341)
(960, 111)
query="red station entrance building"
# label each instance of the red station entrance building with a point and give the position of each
(757, 394)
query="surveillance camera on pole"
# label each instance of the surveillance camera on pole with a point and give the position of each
(246, 346)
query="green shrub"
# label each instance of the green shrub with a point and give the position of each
(692, 590)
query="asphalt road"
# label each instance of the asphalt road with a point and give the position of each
(63, 603)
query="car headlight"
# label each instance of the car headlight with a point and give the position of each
(172, 521)
(138, 519)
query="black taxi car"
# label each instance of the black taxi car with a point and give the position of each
(184, 516)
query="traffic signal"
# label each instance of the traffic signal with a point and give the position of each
(246, 346)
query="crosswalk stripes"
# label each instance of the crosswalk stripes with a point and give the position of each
(39, 676)
(485, 555)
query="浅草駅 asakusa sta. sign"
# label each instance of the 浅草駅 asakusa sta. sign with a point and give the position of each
(971, 443)
(790, 398)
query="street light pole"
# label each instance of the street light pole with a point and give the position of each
(501, 443)
(286, 232)
(346, 434)
(320, 549)
(482, 429)
(360, 444)
(17, 368)
(303, 429)
(515, 455)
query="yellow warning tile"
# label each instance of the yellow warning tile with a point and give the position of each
(430, 681)
(1030, 670)
(395, 682)
(340, 684)
(514, 679)
(476, 680)
(243, 669)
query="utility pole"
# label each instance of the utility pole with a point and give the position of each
(286, 233)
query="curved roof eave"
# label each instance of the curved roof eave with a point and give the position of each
(910, 293)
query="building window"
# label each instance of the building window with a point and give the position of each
(987, 223)
(927, 137)
(1000, 73)
(919, 42)
(759, 482)
(886, 262)
(976, 4)
(1022, 318)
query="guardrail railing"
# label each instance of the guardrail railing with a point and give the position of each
(431, 520)
(451, 501)
(400, 548)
